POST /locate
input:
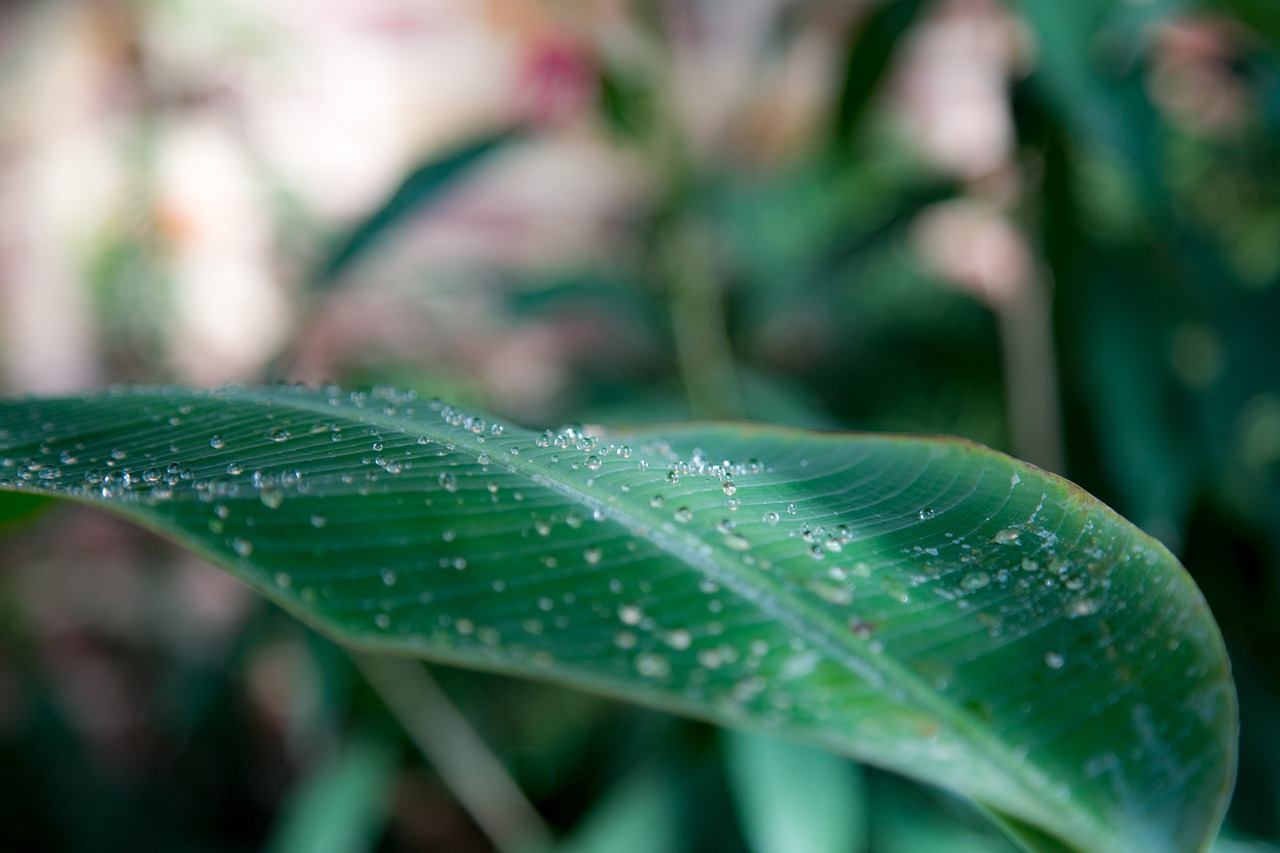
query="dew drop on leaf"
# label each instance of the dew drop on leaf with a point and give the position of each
(1005, 537)
(653, 665)
(678, 639)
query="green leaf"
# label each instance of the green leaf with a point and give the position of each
(420, 188)
(922, 604)
(342, 805)
(795, 799)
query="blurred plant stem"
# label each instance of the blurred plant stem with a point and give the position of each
(703, 352)
(1031, 374)
(456, 752)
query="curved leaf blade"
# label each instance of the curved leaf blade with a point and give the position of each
(923, 604)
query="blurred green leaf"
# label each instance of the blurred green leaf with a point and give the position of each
(419, 189)
(793, 798)
(868, 56)
(342, 805)
(637, 816)
(926, 605)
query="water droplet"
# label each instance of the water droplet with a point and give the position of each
(624, 451)
(727, 486)
(656, 501)
(835, 593)
(653, 665)
(683, 515)
(574, 520)
(817, 553)
(771, 518)
(543, 440)
(278, 434)
(1005, 537)
(791, 509)
(283, 580)
(542, 526)
(975, 580)
(382, 620)
(630, 614)
(217, 443)
(448, 482)
(1083, 607)
(388, 577)
(737, 541)
(593, 463)
(592, 555)
(927, 513)
(318, 521)
(1054, 660)
(271, 497)
(678, 639)
(243, 547)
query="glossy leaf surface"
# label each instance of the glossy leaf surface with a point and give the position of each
(926, 605)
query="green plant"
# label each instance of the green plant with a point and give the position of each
(923, 604)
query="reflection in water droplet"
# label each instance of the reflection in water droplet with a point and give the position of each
(243, 547)
(448, 482)
(278, 434)
(927, 513)
(683, 515)
(771, 518)
(217, 443)
(1054, 660)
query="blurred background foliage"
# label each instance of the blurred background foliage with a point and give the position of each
(1052, 227)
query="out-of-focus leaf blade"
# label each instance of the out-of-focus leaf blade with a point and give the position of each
(868, 57)
(341, 806)
(923, 604)
(793, 798)
(418, 189)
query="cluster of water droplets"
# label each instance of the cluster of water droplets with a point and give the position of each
(693, 499)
